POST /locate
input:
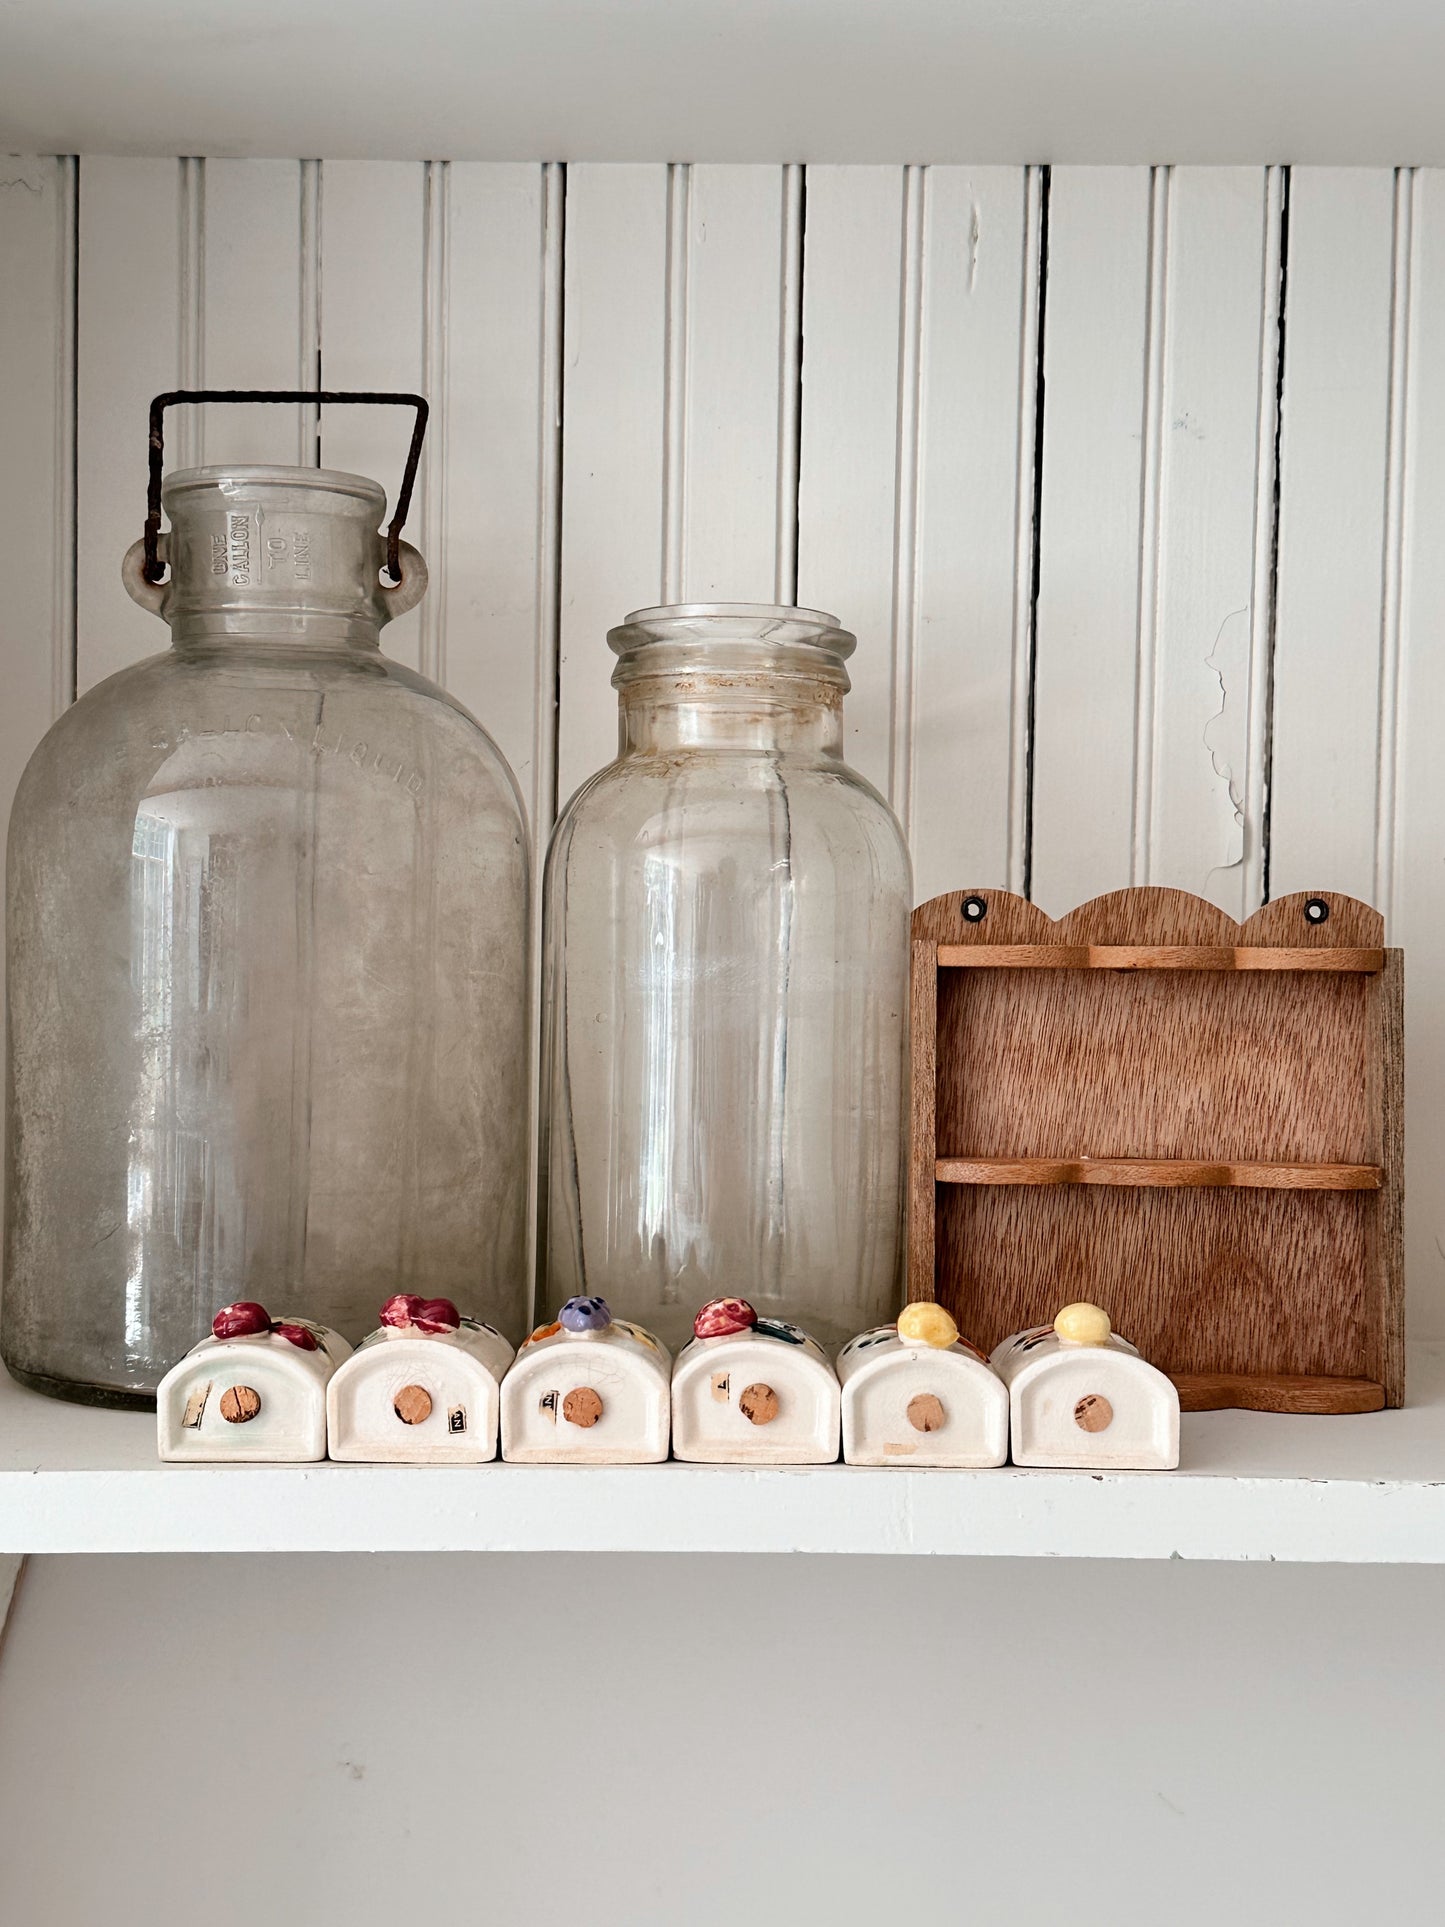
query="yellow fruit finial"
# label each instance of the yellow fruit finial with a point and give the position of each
(1083, 1324)
(927, 1325)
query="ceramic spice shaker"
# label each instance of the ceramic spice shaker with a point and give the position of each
(915, 1393)
(423, 1389)
(255, 1390)
(589, 1389)
(1080, 1396)
(753, 1391)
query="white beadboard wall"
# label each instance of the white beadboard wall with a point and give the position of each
(1127, 478)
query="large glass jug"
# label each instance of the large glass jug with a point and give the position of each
(726, 990)
(266, 964)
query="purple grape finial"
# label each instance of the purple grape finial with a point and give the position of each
(584, 1315)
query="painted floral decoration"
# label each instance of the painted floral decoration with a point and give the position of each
(780, 1328)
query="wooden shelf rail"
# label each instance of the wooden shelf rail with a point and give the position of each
(1176, 1172)
(1113, 956)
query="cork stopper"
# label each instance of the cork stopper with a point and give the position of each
(924, 1324)
(412, 1404)
(582, 1406)
(240, 1404)
(758, 1404)
(1082, 1324)
(926, 1413)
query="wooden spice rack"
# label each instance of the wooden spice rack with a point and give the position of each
(1197, 1123)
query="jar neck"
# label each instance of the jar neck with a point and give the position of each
(270, 558)
(769, 715)
(202, 631)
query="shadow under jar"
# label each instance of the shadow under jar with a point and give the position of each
(726, 990)
(267, 963)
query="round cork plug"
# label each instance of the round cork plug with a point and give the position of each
(1082, 1324)
(412, 1404)
(582, 1406)
(758, 1404)
(927, 1325)
(240, 1403)
(925, 1412)
(1093, 1413)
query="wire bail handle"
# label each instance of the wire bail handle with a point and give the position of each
(152, 567)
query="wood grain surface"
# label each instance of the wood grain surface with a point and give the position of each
(1276, 1392)
(1214, 1154)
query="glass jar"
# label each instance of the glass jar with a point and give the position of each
(726, 990)
(266, 963)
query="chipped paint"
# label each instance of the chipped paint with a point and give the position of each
(1226, 732)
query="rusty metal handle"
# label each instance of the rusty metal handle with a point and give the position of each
(152, 566)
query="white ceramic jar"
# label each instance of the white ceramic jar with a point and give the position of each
(589, 1389)
(254, 1391)
(423, 1389)
(915, 1393)
(1080, 1396)
(753, 1391)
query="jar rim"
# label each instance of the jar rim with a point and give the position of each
(335, 481)
(779, 624)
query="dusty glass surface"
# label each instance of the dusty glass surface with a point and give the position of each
(266, 964)
(726, 989)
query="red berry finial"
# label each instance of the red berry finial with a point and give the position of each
(722, 1317)
(436, 1315)
(245, 1319)
(406, 1312)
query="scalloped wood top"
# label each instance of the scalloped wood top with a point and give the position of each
(1148, 917)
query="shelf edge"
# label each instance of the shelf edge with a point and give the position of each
(1173, 1173)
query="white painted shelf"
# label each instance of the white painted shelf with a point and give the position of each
(846, 80)
(1367, 1490)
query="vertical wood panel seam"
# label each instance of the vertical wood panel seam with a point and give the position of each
(1395, 559)
(1272, 625)
(1037, 518)
(64, 666)
(790, 382)
(436, 306)
(1151, 485)
(320, 297)
(189, 433)
(906, 495)
(547, 652)
(308, 319)
(1030, 396)
(552, 262)
(1266, 450)
(675, 382)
